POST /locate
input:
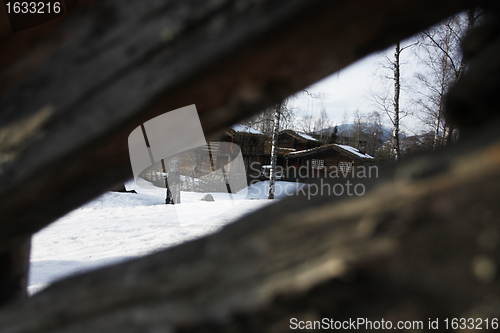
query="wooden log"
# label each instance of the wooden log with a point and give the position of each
(73, 91)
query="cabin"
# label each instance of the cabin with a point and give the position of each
(252, 144)
(319, 162)
(291, 139)
(296, 151)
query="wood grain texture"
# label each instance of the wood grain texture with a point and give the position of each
(423, 243)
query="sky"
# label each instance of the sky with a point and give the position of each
(350, 90)
(346, 90)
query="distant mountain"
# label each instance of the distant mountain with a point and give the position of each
(386, 131)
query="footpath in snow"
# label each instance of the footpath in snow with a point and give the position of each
(120, 226)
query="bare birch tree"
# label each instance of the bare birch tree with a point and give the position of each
(264, 121)
(321, 124)
(307, 123)
(274, 151)
(396, 150)
(389, 103)
(439, 51)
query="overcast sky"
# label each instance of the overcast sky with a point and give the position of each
(349, 90)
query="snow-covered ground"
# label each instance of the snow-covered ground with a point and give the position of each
(120, 226)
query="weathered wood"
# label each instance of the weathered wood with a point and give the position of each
(14, 267)
(477, 91)
(423, 245)
(69, 99)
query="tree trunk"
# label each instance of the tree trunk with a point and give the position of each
(172, 181)
(274, 152)
(168, 199)
(436, 130)
(397, 89)
(442, 93)
(175, 180)
(448, 131)
(119, 188)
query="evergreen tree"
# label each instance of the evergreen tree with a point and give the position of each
(334, 136)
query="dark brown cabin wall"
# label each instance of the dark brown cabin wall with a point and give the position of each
(331, 159)
(286, 141)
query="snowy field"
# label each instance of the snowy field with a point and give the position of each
(120, 226)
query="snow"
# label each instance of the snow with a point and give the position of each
(356, 152)
(120, 226)
(281, 189)
(245, 129)
(305, 136)
(350, 149)
(303, 151)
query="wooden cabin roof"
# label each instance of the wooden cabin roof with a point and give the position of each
(347, 150)
(298, 135)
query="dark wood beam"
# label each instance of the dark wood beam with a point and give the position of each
(14, 268)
